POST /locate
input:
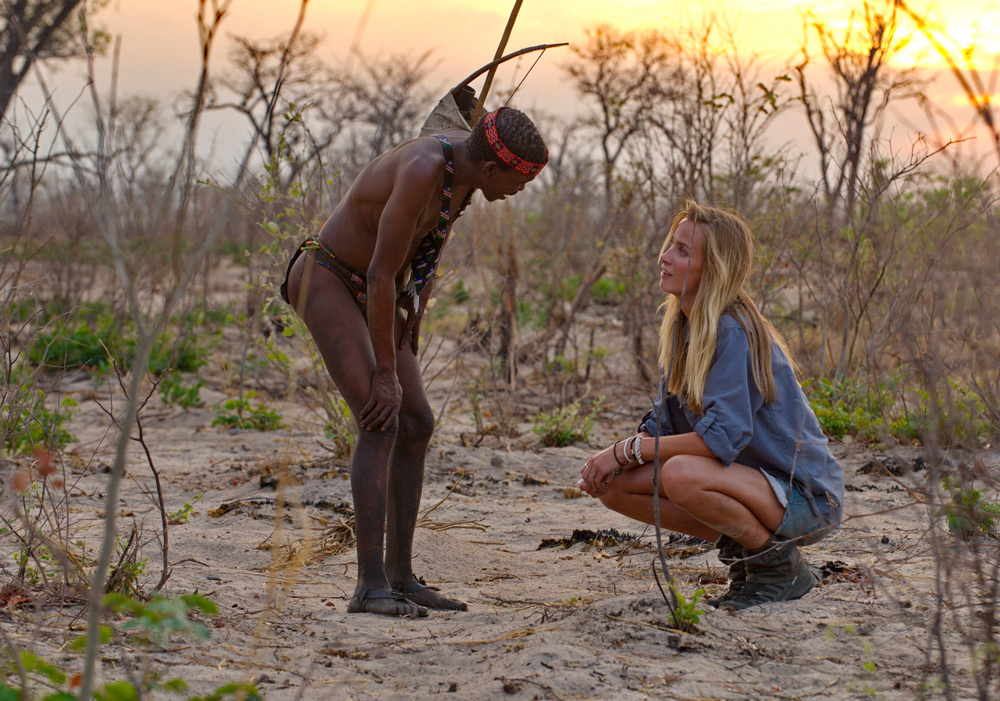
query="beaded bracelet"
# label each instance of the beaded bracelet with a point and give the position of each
(638, 450)
(630, 444)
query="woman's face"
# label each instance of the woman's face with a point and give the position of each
(682, 259)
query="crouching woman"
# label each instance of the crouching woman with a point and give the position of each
(743, 461)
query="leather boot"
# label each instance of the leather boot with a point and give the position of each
(732, 555)
(775, 572)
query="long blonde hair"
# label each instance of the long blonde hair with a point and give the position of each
(687, 345)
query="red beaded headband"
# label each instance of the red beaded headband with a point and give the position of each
(504, 153)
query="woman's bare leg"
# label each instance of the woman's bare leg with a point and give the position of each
(701, 497)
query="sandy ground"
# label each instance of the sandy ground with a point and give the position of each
(552, 623)
(264, 541)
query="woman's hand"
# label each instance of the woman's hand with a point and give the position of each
(383, 403)
(598, 472)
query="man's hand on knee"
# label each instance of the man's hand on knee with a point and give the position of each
(383, 405)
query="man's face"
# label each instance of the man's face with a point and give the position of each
(501, 183)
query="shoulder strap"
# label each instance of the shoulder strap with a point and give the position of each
(425, 259)
(449, 173)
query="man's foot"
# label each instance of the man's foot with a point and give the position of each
(419, 593)
(387, 602)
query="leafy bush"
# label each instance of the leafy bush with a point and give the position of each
(157, 620)
(968, 514)
(173, 392)
(958, 416)
(27, 424)
(237, 413)
(92, 336)
(846, 407)
(76, 344)
(891, 408)
(566, 425)
(607, 288)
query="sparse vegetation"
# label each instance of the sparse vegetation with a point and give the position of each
(566, 425)
(877, 263)
(239, 413)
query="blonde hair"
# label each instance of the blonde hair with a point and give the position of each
(687, 345)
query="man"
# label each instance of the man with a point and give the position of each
(391, 226)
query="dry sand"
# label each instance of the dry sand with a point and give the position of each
(578, 622)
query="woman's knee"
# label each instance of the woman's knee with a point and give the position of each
(679, 479)
(616, 495)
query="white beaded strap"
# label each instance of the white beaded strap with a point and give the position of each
(638, 450)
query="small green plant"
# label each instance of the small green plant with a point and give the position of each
(237, 413)
(686, 616)
(837, 405)
(566, 425)
(128, 568)
(184, 514)
(894, 407)
(960, 416)
(81, 339)
(967, 514)
(27, 572)
(173, 391)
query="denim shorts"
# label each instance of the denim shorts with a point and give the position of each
(800, 521)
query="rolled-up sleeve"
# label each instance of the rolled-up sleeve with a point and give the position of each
(730, 399)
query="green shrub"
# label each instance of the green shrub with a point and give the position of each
(173, 392)
(960, 416)
(26, 570)
(607, 288)
(892, 408)
(566, 425)
(84, 343)
(86, 340)
(846, 407)
(26, 423)
(237, 413)
(967, 514)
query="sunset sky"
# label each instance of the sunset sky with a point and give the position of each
(159, 55)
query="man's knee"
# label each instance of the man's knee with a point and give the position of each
(416, 425)
(379, 438)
